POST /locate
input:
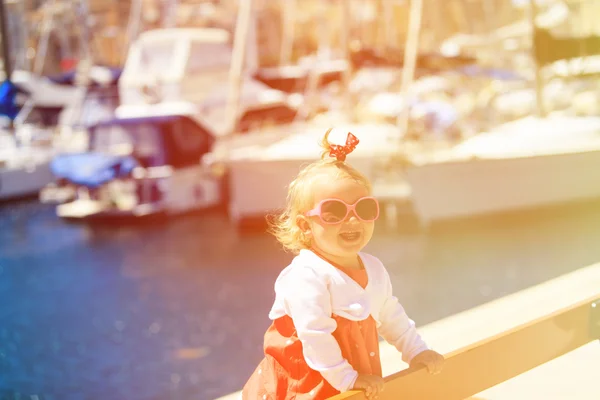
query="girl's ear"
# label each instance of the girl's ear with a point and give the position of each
(303, 224)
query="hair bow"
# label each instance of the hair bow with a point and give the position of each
(340, 152)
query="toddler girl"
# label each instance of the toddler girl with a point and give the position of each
(333, 301)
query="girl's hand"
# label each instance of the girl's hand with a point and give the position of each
(371, 384)
(429, 358)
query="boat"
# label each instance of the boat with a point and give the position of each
(258, 174)
(528, 163)
(165, 65)
(23, 169)
(28, 146)
(42, 114)
(536, 161)
(172, 65)
(296, 78)
(137, 166)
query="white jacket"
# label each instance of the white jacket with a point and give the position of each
(310, 290)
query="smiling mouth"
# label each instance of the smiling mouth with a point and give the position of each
(350, 236)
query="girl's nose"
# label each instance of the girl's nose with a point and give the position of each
(352, 217)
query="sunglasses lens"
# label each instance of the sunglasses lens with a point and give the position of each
(367, 209)
(333, 211)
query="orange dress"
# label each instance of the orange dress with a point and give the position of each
(283, 374)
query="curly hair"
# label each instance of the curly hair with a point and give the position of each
(300, 196)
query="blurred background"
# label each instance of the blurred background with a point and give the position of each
(144, 143)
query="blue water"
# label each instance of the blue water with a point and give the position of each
(177, 310)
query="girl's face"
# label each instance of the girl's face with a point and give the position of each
(340, 242)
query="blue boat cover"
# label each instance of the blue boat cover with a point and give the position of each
(8, 95)
(92, 169)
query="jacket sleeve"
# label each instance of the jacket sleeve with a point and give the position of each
(397, 328)
(307, 301)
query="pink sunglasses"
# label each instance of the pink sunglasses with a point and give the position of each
(335, 211)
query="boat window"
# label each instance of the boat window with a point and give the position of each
(113, 139)
(143, 141)
(189, 142)
(148, 145)
(157, 57)
(270, 116)
(44, 117)
(206, 56)
(97, 106)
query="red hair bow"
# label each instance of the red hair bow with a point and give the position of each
(340, 152)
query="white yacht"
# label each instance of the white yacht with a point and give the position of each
(529, 163)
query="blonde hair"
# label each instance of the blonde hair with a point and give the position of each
(300, 197)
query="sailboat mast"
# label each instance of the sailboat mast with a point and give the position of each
(288, 25)
(411, 52)
(236, 72)
(170, 20)
(539, 83)
(133, 25)
(8, 67)
(83, 15)
(345, 44)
